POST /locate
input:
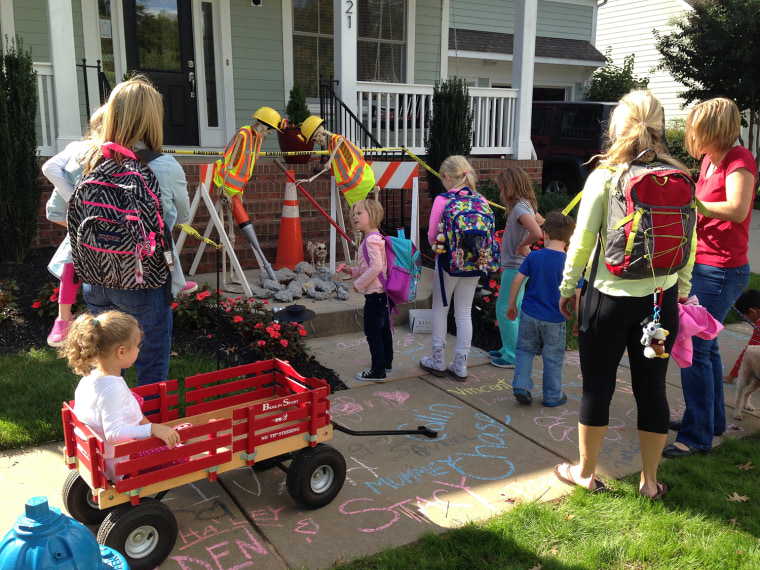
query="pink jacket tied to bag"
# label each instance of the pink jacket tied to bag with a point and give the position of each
(693, 320)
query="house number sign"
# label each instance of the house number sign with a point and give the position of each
(349, 11)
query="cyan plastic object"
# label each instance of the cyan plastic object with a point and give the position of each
(43, 539)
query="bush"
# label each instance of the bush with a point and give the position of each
(675, 135)
(450, 127)
(610, 83)
(8, 293)
(46, 303)
(297, 111)
(20, 189)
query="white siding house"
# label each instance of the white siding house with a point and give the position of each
(625, 27)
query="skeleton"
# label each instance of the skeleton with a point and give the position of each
(318, 253)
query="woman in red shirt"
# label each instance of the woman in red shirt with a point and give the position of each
(726, 187)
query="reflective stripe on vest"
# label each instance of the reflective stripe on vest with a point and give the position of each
(235, 169)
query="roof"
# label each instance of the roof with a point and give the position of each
(494, 42)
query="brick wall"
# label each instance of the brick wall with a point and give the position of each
(263, 198)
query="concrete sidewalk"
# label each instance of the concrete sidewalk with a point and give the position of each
(489, 450)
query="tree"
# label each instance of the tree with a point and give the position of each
(611, 82)
(450, 127)
(714, 51)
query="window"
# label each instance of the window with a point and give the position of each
(106, 40)
(381, 53)
(381, 49)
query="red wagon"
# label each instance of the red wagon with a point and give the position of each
(233, 418)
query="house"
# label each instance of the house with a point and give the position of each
(625, 27)
(376, 61)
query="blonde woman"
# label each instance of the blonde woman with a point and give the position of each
(618, 306)
(726, 187)
(133, 118)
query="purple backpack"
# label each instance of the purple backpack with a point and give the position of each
(404, 268)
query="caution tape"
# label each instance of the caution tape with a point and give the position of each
(321, 153)
(193, 232)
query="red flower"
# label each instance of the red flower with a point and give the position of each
(302, 332)
(487, 299)
(274, 334)
(199, 296)
(276, 326)
(36, 305)
(284, 342)
(261, 343)
(175, 305)
(53, 298)
(258, 326)
(492, 284)
(56, 290)
(265, 302)
(208, 336)
(496, 323)
(203, 295)
(238, 319)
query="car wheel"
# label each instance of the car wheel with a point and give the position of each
(559, 183)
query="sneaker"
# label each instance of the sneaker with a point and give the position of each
(494, 354)
(561, 401)
(60, 332)
(190, 287)
(388, 371)
(523, 396)
(501, 363)
(370, 375)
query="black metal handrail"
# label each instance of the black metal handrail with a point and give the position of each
(104, 87)
(340, 119)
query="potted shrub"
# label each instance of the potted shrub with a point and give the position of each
(296, 113)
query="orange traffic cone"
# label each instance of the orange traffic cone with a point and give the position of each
(290, 245)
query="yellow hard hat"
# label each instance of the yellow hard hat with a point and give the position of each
(310, 126)
(269, 117)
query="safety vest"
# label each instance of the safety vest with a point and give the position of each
(352, 174)
(235, 169)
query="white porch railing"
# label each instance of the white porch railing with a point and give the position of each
(47, 126)
(398, 114)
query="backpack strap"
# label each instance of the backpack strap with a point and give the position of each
(148, 155)
(108, 147)
(381, 277)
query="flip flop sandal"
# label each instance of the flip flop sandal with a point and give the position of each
(568, 480)
(662, 488)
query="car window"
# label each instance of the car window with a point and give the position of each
(541, 120)
(579, 124)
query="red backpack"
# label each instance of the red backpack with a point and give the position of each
(651, 216)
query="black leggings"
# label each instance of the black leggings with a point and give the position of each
(616, 324)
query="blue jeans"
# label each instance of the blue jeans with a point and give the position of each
(508, 329)
(377, 329)
(717, 289)
(149, 307)
(528, 340)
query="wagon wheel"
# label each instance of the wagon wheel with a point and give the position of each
(79, 502)
(144, 534)
(316, 476)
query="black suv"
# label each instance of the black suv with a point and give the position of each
(566, 134)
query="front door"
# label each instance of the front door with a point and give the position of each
(159, 44)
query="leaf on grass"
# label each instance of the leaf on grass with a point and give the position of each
(734, 523)
(172, 353)
(746, 467)
(737, 498)
(553, 551)
(568, 516)
(536, 567)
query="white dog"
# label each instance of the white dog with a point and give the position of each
(748, 381)
(318, 253)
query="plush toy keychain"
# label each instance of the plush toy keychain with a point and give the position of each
(653, 338)
(440, 245)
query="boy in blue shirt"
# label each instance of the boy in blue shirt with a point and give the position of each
(540, 318)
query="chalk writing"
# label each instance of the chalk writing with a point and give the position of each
(396, 396)
(346, 408)
(348, 346)
(411, 475)
(308, 527)
(360, 466)
(247, 548)
(268, 517)
(435, 417)
(500, 385)
(531, 489)
(257, 491)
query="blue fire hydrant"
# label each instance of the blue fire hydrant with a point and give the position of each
(44, 539)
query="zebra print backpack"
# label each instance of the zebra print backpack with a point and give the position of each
(116, 225)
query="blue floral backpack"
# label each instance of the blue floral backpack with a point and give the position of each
(468, 246)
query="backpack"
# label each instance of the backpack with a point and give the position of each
(404, 268)
(651, 215)
(116, 225)
(468, 228)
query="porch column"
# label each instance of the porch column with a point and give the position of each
(523, 59)
(346, 24)
(63, 56)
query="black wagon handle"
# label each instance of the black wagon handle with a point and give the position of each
(421, 430)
